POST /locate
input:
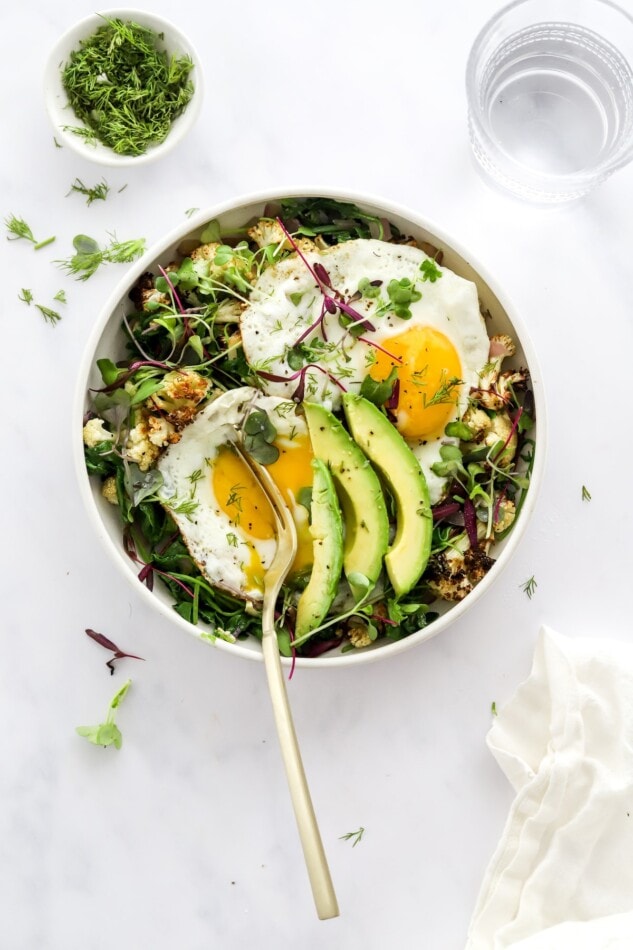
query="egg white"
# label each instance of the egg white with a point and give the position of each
(207, 530)
(286, 301)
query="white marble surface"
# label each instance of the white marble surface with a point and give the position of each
(185, 837)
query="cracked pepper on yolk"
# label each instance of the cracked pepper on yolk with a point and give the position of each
(428, 362)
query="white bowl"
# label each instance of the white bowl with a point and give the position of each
(62, 115)
(107, 341)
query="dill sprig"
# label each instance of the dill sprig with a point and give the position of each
(19, 230)
(51, 316)
(98, 192)
(90, 256)
(124, 88)
(353, 836)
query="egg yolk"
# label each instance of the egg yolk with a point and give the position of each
(243, 501)
(429, 374)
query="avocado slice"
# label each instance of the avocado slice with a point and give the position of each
(384, 446)
(359, 492)
(327, 532)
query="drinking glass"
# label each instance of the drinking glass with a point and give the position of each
(549, 85)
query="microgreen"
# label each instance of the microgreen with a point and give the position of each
(529, 586)
(459, 430)
(259, 435)
(369, 288)
(26, 296)
(89, 256)
(586, 495)
(109, 645)
(353, 836)
(401, 293)
(98, 192)
(19, 230)
(144, 88)
(430, 271)
(107, 733)
(379, 391)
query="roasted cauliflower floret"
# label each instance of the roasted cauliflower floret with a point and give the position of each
(220, 263)
(108, 490)
(505, 515)
(477, 421)
(229, 311)
(501, 430)
(95, 432)
(160, 431)
(488, 393)
(358, 635)
(179, 396)
(268, 231)
(453, 574)
(138, 447)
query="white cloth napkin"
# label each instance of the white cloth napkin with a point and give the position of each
(561, 877)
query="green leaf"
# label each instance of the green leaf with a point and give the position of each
(379, 391)
(85, 245)
(430, 270)
(296, 298)
(459, 430)
(109, 371)
(141, 485)
(145, 390)
(211, 233)
(360, 585)
(196, 345)
(370, 289)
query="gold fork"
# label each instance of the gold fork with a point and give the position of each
(314, 855)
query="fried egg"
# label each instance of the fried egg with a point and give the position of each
(225, 518)
(436, 339)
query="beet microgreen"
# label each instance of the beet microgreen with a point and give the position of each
(109, 645)
(19, 230)
(107, 733)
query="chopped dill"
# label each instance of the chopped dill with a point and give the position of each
(26, 296)
(98, 192)
(125, 88)
(529, 586)
(51, 316)
(19, 230)
(89, 256)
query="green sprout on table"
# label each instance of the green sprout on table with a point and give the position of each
(107, 733)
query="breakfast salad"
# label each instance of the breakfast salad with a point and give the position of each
(343, 356)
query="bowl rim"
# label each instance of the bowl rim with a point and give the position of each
(180, 232)
(53, 89)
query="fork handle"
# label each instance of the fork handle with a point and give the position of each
(314, 855)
